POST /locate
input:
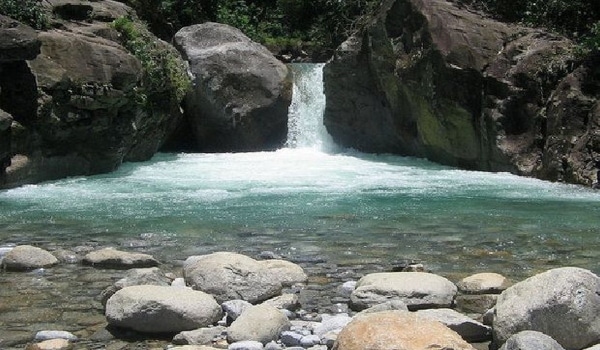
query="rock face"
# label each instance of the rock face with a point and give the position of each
(418, 290)
(74, 106)
(230, 276)
(26, 257)
(562, 303)
(429, 79)
(241, 91)
(389, 330)
(158, 309)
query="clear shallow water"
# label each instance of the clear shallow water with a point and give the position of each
(343, 208)
(312, 203)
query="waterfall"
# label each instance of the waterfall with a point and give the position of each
(305, 117)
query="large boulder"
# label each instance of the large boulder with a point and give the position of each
(435, 80)
(389, 330)
(18, 42)
(241, 91)
(82, 106)
(158, 309)
(136, 277)
(230, 276)
(562, 303)
(418, 290)
(531, 340)
(469, 329)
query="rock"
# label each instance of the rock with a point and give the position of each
(386, 306)
(241, 91)
(476, 303)
(47, 335)
(179, 282)
(331, 323)
(417, 290)
(290, 338)
(347, 288)
(234, 308)
(26, 257)
(193, 347)
(483, 283)
(310, 340)
(201, 336)
(285, 302)
(136, 277)
(469, 329)
(53, 344)
(246, 345)
(18, 42)
(158, 309)
(230, 276)
(562, 303)
(286, 272)
(435, 80)
(112, 258)
(262, 323)
(272, 345)
(66, 256)
(397, 330)
(531, 340)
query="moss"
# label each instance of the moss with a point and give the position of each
(165, 81)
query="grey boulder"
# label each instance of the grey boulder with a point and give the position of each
(159, 309)
(26, 257)
(112, 258)
(418, 290)
(261, 323)
(469, 329)
(531, 340)
(563, 303)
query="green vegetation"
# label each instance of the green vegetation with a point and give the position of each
(27, 11)
(165, 81)
(577, 19)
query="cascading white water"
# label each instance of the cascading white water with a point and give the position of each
(305, 123)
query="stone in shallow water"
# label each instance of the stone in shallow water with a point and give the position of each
(53, 344)
(112, 258)
(26, 257)
(47, 335)
(136, 277)
(201, 336)
(483, 283)
(159, 309)
(418, 290)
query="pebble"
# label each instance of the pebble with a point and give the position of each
(273, 345)
(47, 335)
(291, 338)
(246, 345)
(310, 340)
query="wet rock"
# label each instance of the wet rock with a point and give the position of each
(291, 338)
(230, 276)
(136, 277)
(483, 283)
(112, 258)
(417, 290)
(47, 335)
(67, 256)
(242, 92)
(262, 323)
(469, 329)
(201, 336)
(26, 257)
(386, 306)
(389, 330)
(158, 309)
(562, 303)
(347, 288)
(531, 340)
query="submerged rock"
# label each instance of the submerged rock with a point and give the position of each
(26, 257)
(241, 91)
(390, 330)
(158, 309)
(418, 290)
(112, 258)
(562, 303)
